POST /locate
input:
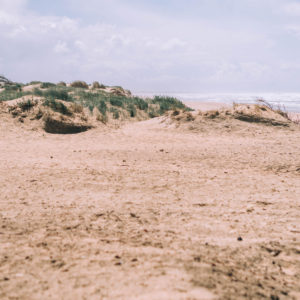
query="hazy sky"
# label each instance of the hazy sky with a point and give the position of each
(154, 45)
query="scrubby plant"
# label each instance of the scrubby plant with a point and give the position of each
(11, 95)
(97, 85)
(152, 113)
(102, 107)
(26, 105)
(140, 103)
(79, 84)
(13, 87)
(55, 93)
(115, 112)
(77, 108)
(116, 101)
(38, 92)
(102, 118)
(46, 85)
(57, 106)
(132, 110)
(34, 82)
(168, 103)
(61, 83)
(91, 107)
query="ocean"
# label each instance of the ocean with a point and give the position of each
(288, 101)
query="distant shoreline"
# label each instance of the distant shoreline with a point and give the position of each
(288, 101)
(205, 106)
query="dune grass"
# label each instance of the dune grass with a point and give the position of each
(104, 101)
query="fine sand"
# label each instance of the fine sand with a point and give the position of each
(150, 211)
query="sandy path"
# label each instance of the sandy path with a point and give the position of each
(147, 212)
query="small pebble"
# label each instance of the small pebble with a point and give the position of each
(239, 238)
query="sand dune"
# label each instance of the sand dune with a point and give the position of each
(150, 211)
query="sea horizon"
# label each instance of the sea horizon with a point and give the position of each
(286, 101)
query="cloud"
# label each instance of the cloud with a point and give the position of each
(138, 45)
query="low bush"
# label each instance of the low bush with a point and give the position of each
(26, 105)
(140, 103)
(14, 87)
(132, 110)
(46, 85)
(57, 106)
(168, 103)
(97, 85)
(11, 95)
(102, 107)
(61, 94)
(34, 82)
(38, 92)
(116, 101)
(79, 84)
(115, 112)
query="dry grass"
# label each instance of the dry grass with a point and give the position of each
(79, 84)
(97, 85)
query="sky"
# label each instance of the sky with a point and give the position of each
(154, 46)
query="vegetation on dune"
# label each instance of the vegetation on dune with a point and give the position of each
(168, 103)
(97, 85)
(27, 105)
(57, 106)
(61, 83)
(46, 85)
(34, 82)
(79, 84)
(7, 95)
(110, 102)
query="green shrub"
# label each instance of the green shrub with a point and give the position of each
(152, 113)
(102, 107)
(115, 112)
(11, 95)
(57, 106)
(79, 84)
(140, 103)
(168, 103)
(14, 87)
(91, 107)
(97, 85)
(26, 105)
(38, 92)
(116, 101)
(60, 94)
(46, 85)
(34, 82)
(61, 83)
(132, 110)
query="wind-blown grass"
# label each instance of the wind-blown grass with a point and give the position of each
(105, 102)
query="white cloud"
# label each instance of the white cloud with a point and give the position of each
(144, 50)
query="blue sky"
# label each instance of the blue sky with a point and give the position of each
(154, 46)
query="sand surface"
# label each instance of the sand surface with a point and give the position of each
(149, 211)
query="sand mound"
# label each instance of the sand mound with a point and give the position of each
(58, 123)
(54, 116)
(237, 116)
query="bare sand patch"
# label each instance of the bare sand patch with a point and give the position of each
(149, 211)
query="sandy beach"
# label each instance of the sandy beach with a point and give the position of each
(150, 211)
